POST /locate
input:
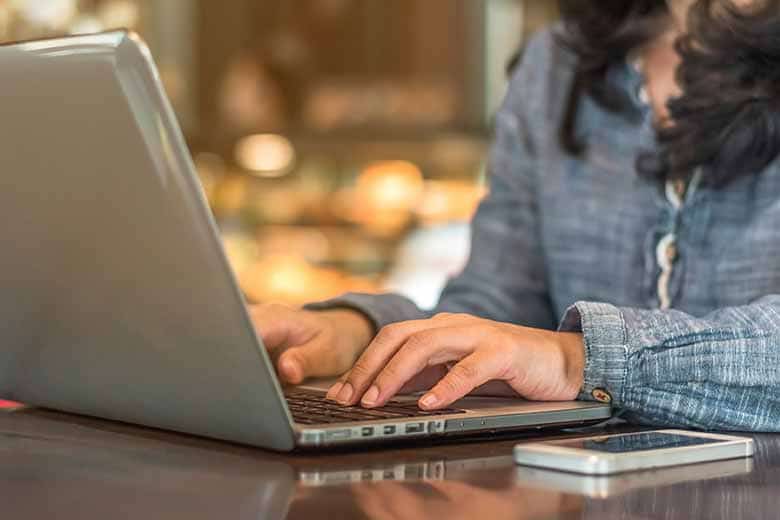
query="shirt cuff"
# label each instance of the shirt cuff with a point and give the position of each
(606, 349)
(380, 309)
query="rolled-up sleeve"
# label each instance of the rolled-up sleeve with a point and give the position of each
(380, 309)
(720, 371)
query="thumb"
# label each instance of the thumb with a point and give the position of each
(315, 358)
(278, 326)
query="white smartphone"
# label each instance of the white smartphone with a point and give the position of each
(608, 454)
(607, 486)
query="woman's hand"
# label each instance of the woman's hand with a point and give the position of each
(307, 344)
(537, 364)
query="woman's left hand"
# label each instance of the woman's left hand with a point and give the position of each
(536, 364)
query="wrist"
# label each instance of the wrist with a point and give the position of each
(352, 325)
(572, 348)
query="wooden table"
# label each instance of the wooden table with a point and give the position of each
(55, 465)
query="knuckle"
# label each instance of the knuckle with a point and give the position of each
(417, 341)
(462, 374)
(505, 355)
(495, 336)
(453, 316)
(450, 385)
(359, 372)
(298, 357)
(388, 333)
(389, 373)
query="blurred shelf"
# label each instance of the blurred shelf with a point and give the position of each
(428, 149)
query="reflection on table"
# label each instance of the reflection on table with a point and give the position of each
(64, 466)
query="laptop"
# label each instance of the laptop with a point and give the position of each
(116, 298)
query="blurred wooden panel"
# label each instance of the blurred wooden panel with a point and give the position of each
(302, 44)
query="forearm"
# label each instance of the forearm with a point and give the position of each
(720, 371)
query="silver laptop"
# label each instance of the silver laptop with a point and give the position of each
(116, 299)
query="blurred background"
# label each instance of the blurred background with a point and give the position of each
(341, 143)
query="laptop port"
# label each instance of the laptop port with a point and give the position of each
(389, 430)
(367, 431)
(339, 435)
(414, 428)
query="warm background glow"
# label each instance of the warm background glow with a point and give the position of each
(340, 143)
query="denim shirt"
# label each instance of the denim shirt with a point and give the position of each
(678, 298)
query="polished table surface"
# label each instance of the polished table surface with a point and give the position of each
(54, 465)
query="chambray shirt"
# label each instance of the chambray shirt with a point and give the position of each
(678, 299)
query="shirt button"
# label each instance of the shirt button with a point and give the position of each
(643, 96)
(601, 395)
(680, 187)
(671, 253)
(666, 252)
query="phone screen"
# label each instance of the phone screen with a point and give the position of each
(637, 442)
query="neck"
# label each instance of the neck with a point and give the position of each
(660, 61)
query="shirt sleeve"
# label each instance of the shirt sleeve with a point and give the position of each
(717, 372)
(504, 278)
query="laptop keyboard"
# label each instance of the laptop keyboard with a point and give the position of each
(313, 408)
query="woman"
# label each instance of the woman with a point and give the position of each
(628, 249)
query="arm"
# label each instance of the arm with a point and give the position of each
(721, 371)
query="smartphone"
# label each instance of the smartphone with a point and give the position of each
(608, 486)
(619, 453)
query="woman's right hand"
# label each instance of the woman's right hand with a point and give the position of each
(306, 344)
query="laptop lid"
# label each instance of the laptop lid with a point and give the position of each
(116, 299)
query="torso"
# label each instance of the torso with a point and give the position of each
(600, 223)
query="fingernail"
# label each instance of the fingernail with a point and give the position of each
(370, 397)
(345, 394)
(334, 391)
(429, 401)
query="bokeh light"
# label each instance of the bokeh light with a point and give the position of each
(265, 155)
(391, 185)
(53, 14)
(119, 13)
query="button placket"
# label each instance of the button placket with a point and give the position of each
(667, 252)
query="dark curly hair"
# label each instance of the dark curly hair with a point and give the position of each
(727, 119)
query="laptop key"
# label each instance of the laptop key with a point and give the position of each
(311, 408)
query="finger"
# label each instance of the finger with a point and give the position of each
(312, 359)
(473, 371)
(277, 326)
(422, 349)
(355, 382)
